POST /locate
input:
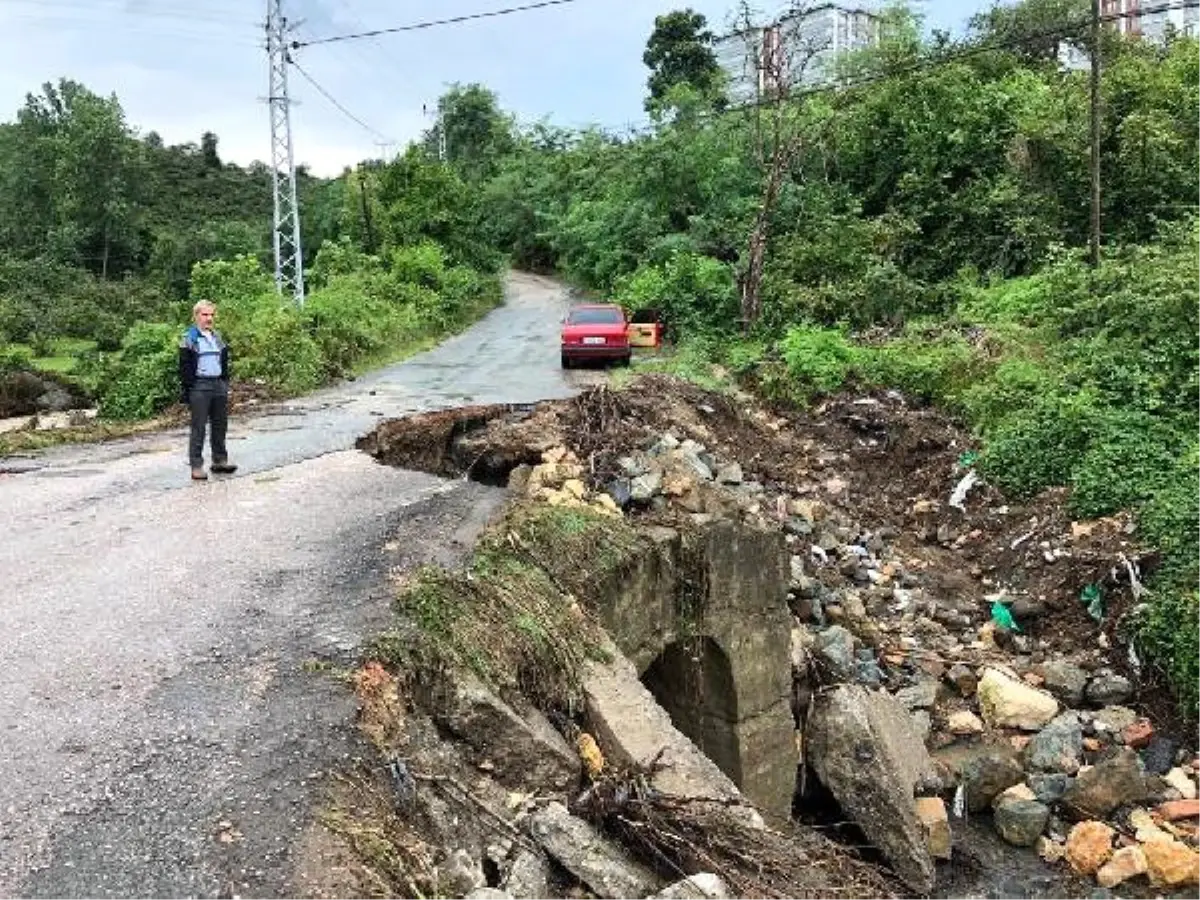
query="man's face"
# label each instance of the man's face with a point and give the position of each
(204, 317)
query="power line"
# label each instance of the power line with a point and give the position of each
(432, 23)
(328, 96)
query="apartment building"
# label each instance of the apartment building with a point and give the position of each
(1151, 20)
(799, 49)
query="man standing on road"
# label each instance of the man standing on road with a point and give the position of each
(204, 380)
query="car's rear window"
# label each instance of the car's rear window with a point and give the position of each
(597, 316)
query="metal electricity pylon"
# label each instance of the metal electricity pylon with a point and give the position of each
(289, 259)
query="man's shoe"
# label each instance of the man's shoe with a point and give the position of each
(199, 475)
(225, 468)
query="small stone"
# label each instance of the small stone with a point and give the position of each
(835, 650)
(835, 486)
(1091, 744)
(1089, 846)
(963, 678)
(1178, 809)
(1138, 734)
(922, 695)
(1103, 787)
(730, 474)
(986, 776)
(964, 722)
(1058, 747)
(1159, 756)
(1065, 681)
(1126, 863)
(462, 873)
(1171, 864)
(1021, 822)
(1049, 788)
(1113, 719)
(1012, 794)
(702, 886)
(931, 813)
(1008, 703)
(1050, 850)
(1106, 689)
(1020, 741)
(645, 486)
(1145, 828)
(1182, 782)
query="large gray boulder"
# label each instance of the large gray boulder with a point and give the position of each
(866, 749)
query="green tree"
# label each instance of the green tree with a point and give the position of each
(478, 135)
(85, 176)
(680, 51)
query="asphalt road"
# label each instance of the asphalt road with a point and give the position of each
(161, 731)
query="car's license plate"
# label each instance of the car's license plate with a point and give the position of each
(593, 340)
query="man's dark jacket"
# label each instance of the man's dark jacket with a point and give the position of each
(188, 357)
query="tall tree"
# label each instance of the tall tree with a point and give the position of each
(680, 51)
(83, 168)
(1034, 29)
(478, 135)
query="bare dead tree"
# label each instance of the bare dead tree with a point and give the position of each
(780, 52)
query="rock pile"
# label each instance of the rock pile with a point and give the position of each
(955, 654)
(1020, 729)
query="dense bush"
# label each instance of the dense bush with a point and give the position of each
(696, 293)
(144, 379)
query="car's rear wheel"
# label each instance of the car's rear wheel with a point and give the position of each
(624, 360)
(566, 361)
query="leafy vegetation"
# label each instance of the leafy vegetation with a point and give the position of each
(927, 232)
(106, 238)
(923, 226)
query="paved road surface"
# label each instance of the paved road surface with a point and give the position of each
(154, 632)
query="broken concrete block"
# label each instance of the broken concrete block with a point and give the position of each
(595, 859)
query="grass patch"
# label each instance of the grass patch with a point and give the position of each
(513, 615)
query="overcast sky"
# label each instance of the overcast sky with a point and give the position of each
(182, 67)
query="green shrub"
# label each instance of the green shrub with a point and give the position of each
(1013, 385)
(1130, 456)
(230, 284)
(1039, 446)
(144, 379)
(423, 264)
(696, 293)
(15, 359)
(936, 368)
(1167, 635)
(271, 342)
(818, 359)
(350, 319)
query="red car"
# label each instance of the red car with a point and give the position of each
(595, 331)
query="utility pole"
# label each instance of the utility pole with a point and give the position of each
(289, 259)
(1095, 112)
(439, 129)
(366, 209)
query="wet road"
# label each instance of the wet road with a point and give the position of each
(161, 731)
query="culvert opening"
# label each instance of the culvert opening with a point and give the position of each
(693, 681)
(453, 443)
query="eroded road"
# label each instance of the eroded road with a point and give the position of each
(162, 732)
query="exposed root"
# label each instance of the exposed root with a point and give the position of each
(682, 836)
